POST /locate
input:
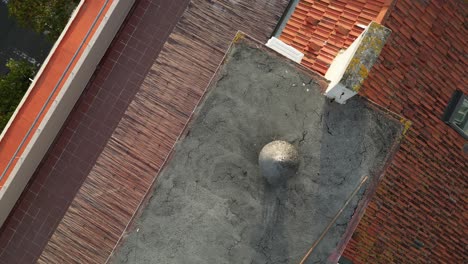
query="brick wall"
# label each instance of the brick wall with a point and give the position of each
(417, 213)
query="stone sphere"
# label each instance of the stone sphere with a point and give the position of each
(278, 160)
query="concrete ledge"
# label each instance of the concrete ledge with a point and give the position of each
(285, 49)
(62, 105)
(350, 68)
(42, 68)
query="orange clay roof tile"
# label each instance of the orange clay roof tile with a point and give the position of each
(420, 67)
(329, 25)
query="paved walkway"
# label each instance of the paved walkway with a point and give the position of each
(91, 183)
(44, 85)
(58, 179)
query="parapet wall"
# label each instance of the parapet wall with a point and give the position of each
(43, 135)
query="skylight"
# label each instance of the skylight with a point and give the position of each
(456, 113)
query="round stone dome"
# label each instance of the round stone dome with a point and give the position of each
(278, 160)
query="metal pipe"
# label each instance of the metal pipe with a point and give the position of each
(314, 245)
(54, 90)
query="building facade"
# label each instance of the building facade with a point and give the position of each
(417, 213)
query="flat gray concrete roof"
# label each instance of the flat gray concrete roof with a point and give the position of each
(210, 203)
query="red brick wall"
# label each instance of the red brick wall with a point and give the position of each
(422, 197)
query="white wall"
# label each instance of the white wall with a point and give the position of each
(335, 89)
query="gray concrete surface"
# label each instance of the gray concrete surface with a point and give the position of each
(210, 203)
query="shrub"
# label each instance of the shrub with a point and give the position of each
(44, 16)
(13, 85)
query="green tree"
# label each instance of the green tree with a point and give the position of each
(44, 16)
(13, 86)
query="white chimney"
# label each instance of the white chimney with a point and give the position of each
(351, 67)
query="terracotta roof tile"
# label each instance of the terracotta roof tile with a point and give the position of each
(329, 26)
(423, 192)
(420, 67)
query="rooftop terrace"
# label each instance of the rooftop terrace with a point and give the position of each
(210, 203)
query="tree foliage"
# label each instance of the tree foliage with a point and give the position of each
(44, 16)
(13, 86)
